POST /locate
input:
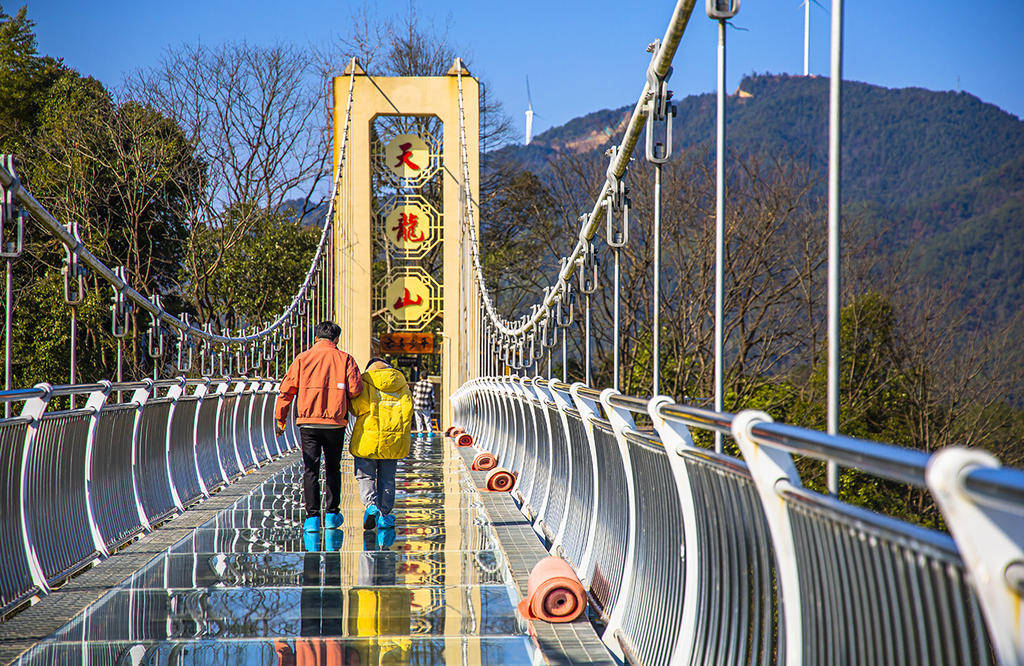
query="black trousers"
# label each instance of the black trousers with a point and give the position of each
(314, 441)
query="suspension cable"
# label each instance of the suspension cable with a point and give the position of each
(659, 70)
(76, 247)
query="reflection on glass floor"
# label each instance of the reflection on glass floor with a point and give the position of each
(248, 587)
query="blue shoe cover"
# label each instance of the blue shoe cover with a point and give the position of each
(370, 517)
(385, 537)
(312, 524)
(311, 541)
(333, 521)
(333, 540)
(386, 522)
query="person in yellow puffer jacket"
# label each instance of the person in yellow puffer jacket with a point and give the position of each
(380, 438)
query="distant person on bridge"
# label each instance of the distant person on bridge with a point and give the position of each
(422, 402)
(380, 438)
(325, 379)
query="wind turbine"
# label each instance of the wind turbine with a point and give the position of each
(807, 32)
(529, 113)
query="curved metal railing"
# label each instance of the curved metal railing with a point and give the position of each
(693, 556)
(76, 484)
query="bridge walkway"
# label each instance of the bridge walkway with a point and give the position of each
(246, 586)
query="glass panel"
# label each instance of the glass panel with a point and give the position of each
(433, 590)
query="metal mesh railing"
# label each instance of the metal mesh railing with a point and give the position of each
(612, 527)
(16, 583)
(887, 592)
(734, 560)
(554, 512)
(226, 446)
(580, 504)
(111, 487)
(152, 476)
(182, 450)
(94, 477)
(538, 478)
(735, 584)
(652, 618)
(53, 487)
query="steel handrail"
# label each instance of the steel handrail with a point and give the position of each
(18, 395)
(629, 402)
(884, 460)
(999, 486)
(699, 417)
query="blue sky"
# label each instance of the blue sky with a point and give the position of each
(581, 56)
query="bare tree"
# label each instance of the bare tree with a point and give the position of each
(774, 259)
(256, 118)
(411, 45)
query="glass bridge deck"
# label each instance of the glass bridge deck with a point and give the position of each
(248, 587)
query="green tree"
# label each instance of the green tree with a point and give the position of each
(24, 77)
(255, 278)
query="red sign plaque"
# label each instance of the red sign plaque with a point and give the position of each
(407, 343)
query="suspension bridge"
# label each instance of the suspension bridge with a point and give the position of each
(158, 519)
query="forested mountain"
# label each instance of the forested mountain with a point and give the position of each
(939, 176)
(899, 144)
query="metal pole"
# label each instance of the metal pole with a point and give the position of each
(656, 324)
(565, 372)
(586, 346)
(834, 154)
(720, 232)
(807, 37)
(8, 324)
(615, 316)
(74, 356)
(120, 366)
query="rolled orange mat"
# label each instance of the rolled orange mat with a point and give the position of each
(484, 461)
(500, 480)
(455, 432)
(448, 432)
(554, 593)
(464, 439)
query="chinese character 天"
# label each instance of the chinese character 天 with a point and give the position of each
(404, 157)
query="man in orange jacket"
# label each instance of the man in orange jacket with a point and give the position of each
(324, 378)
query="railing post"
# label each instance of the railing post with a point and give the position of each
(989, 538)
(96, 400)
(140, 397)
(622, 421)
(770, 467)
(173, 393)
(33, 409)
